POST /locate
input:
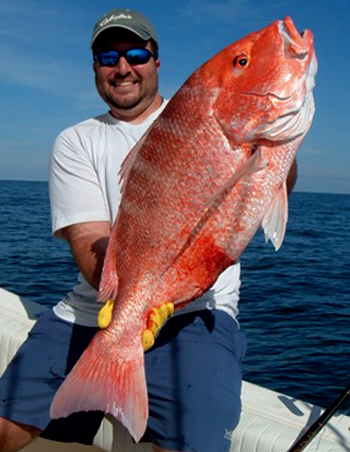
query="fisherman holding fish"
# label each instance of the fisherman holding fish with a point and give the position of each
(193, 374)
(193, 366)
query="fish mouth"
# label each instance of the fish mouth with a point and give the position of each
(296, 44)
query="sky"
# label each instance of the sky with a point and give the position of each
(47, 84)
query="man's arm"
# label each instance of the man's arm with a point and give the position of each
(88, 242)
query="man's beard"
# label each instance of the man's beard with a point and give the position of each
(121, 102)
(145, 95)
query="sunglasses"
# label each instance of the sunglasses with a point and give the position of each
(132, 56)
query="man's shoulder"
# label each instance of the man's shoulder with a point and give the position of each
(87, 124)
(88, 128)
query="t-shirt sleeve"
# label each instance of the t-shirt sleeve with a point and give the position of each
(75, 192)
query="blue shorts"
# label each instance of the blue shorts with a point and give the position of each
(193, 376)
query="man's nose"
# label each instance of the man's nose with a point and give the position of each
(123, 67)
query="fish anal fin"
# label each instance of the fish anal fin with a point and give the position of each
(108, 288)
(275, 219)
(109, 281)
(108, 384)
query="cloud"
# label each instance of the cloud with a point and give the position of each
(202, 11)
(26, 20)
(35, 24)
(39, 51)
(21, 8)
(49, 74)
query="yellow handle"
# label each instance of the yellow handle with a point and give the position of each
(156, 320)
(105, 314)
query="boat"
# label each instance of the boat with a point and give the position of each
(270, 421)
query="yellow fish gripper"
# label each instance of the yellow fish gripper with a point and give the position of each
(105, 314)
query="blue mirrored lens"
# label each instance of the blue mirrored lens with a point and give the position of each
(138, 56)
(108, 58)
(133, 56)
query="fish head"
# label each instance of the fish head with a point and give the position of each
(264, 84)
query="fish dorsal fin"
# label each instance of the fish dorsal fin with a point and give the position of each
(275, 219)
(129, 161)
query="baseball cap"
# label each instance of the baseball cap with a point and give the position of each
(125, 18)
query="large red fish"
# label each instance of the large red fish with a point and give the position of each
(211, 170)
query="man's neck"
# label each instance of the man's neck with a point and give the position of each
(135, 117)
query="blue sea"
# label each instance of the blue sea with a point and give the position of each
(295, 303)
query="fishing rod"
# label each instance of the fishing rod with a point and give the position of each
(315, 428)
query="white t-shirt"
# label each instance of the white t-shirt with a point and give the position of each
(84, 186)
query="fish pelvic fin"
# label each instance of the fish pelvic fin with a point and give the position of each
(104, 382)
(275, 219)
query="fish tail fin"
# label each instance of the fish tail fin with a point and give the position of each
(104, 382)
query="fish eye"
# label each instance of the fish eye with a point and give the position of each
(241, 61)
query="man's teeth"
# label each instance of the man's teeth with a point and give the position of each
(124, 83)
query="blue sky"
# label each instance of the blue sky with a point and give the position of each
(47, 82)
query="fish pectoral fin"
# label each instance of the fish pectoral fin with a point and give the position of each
(156, 320)
(251, 166)
(275, 219)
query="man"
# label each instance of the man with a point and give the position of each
(194, 396)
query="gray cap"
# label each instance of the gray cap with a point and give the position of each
(128, 19)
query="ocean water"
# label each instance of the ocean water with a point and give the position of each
(295, 303)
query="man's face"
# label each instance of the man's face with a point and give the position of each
(128, 89)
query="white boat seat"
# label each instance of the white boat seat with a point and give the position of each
(270, 421)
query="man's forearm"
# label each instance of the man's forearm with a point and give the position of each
(88, 242)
